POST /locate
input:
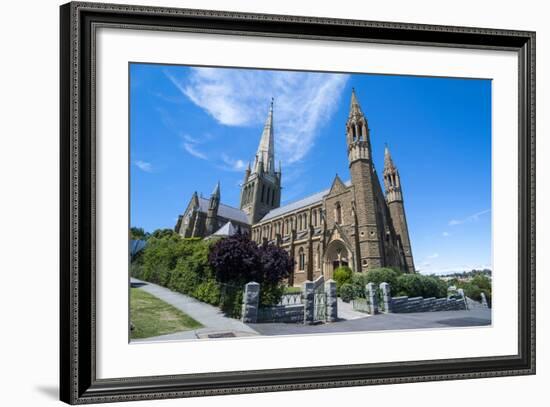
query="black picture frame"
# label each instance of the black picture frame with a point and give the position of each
(78, 382)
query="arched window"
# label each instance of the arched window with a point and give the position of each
(338, 213)
(301, 259)
(273, 198)
(318, 258)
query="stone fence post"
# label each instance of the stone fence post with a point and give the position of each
(251, 302)
(460, 292)
(308, 299)
(484, 300)
(332, 300)
(371, 298)
(386, 297)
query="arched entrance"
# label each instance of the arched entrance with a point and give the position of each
(336, 255)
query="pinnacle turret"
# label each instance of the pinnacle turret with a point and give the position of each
(388, 162)
(266, 148)
(355, 108)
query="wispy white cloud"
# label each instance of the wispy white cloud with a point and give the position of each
(192, 149)
(433, 256)
(445, 234)
(304, 102)
(144, 166)
(232, 164)
(472, 218)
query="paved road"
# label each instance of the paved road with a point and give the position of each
(441, 319)
(215, 323)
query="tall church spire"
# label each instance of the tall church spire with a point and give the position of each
(388, 162)
(261, 190)
(355, 108)
(266, 149)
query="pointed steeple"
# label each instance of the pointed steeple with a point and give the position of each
(388, 162)
(355, 108)
(266, 149)
(216, 191)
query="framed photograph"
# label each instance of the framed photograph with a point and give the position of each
(255, 203)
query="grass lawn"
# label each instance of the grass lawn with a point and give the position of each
(152, 316)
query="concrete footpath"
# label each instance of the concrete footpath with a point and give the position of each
(216, 324)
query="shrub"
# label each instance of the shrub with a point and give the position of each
(276, 264)
(347, 292)
(359, 281)
(208, 291)
(342, 275)
(231, 299)
(382, 275)
(418, 285)
(270, 294)
(162, 254)
(184, 279)
(136, 270)
(235, 260)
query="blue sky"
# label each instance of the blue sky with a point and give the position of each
(190, 127)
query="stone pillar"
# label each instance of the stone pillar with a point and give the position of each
(332, 301)
(386, 297)
(460, 293)
(251, 302)
(484, 300)
(371, 298)
(308, 299)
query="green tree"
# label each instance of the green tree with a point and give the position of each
(138, 233)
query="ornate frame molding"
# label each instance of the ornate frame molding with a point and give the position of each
(79, 384)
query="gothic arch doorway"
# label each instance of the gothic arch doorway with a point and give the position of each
(336, 255)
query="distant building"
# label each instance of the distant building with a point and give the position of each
(352, 223)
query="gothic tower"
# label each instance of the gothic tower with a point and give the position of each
(364, 179)
(212, 214)
(394, 198)
(261, 189)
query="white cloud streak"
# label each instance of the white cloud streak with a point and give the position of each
(232, 164)
(144, 166)
(304, 102)
(472, 218)
(192, 149)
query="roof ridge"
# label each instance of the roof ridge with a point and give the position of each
(221, 204)
(281, 208)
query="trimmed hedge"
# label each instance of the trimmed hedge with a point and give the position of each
(184, 265)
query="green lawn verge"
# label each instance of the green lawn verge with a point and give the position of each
(152, 316)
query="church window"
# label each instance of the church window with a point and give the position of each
(272, 198)
(301, 259)
(263, 193)
(338, 213)
(318, 257)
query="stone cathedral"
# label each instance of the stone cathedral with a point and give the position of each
(353, 223)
